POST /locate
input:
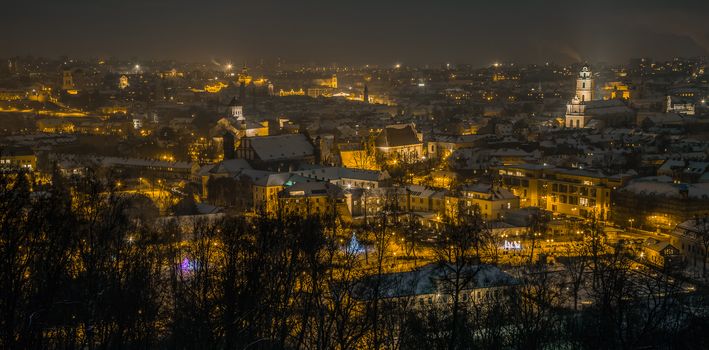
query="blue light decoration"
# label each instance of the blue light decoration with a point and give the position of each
(187, 265)
(354, 247)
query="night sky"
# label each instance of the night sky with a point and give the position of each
(357, 32)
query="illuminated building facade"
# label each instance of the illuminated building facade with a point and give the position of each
(442, 146)
(457, 95)
(321, 199)
(687, 238)
(67, 80)
(215, 87)
(357, 156)
(55, 125)
(411, 199)
(660, 253)
(291, 92)
(318, 91)
(616, 90)
(571, 192)
(657, 203)
(123, 82)
(492, 202)
(266, 189)
(400, 141)
(327, 83)
(348, 178)
(681, 105)
(18, 158)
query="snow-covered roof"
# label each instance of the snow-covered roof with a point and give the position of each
(270, 148)
(139, 162)
(397, 135)
(662, 186)
(431, 279)
(696, 225)
(263, 178)
(657, 245)
(204, 208)
(422, 191)
(318, 188)
(230, 166)
(696, 167)
(670, 164)
(666, 118)
(337, 173)
(487, 189)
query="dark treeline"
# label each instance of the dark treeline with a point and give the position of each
(83, 268)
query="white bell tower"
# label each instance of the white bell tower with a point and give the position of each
(585, 85)
(576, 109)
(236, 109)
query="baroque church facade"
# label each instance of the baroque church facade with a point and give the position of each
(576, 116)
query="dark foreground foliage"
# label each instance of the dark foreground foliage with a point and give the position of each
(82, 268)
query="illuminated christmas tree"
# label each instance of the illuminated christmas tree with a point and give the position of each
(354, 247)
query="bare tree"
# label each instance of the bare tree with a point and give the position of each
(460, 251)
(538, 226)
(702, 235)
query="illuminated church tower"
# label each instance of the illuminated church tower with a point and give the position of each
(123, 82)
(576, 109)
(236, 110)
(584, 85)
(237, 125)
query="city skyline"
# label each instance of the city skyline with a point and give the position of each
(359, 33)
(393, 175)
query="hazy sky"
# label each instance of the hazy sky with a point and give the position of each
(358, 31)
